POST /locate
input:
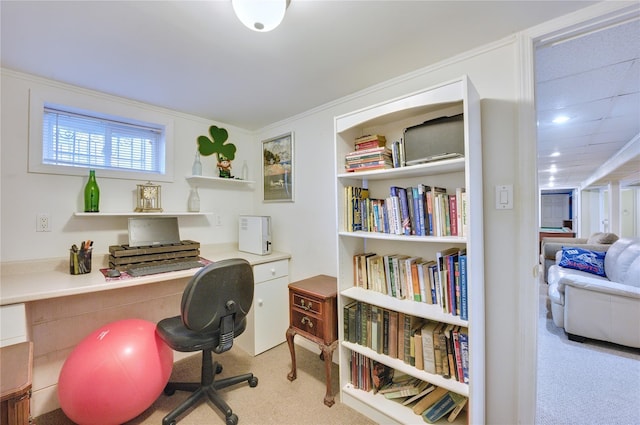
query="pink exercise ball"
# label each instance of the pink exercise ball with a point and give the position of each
(115, 373)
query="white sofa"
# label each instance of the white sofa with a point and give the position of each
(603, 308)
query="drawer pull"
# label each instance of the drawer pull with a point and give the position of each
(305, 307)
(306, 320)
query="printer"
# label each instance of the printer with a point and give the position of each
(254, 234)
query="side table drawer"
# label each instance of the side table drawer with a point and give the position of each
(309, 304)
(272, 270)
(307, 323)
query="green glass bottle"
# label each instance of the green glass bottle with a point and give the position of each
(92, 194)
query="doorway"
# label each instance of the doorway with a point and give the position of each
(597, 19)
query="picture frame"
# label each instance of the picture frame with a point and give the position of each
(278, 182)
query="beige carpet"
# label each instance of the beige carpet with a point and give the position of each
(275, 400)
(594, 382)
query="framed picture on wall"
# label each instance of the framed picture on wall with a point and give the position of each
(277, 169)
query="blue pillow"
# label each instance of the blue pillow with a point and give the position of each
(583, 260)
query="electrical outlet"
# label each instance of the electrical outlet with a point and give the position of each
(43, 222)
(218, 219)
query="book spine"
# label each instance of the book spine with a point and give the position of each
(464, 309)
(393, 334)
(453, 214)
(464, 353)
(457, 355)
(407, 339)
(441, 407)
(427, 348)
(422, 282)
(404, 212)
(451, 260)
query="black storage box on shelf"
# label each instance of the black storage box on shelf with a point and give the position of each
(433, 140)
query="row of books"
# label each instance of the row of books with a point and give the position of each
(435, 347)
(442, 281)
(420, 210)
(428, 400)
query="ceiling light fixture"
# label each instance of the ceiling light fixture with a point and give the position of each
(560, 119)
(260, 15)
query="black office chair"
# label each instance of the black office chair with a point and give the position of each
(213, 311)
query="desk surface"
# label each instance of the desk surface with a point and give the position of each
(25, 281)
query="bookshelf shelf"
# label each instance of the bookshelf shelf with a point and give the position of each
(390, 119)
(402, 238)
(353, 396)
(405, 306)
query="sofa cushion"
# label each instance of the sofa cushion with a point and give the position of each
(583, 260)
(619, 262)
(601, 237)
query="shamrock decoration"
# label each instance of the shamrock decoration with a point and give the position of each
(219, 135)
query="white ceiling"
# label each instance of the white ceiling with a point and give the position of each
(594, 80)
(196, 57)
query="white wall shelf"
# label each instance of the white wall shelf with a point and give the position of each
(133, 213)
(216, 180)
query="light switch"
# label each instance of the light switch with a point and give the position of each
(504, 197)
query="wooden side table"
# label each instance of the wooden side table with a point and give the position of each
(313, 314)
(15, 387)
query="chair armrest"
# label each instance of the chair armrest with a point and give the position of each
(598, 285)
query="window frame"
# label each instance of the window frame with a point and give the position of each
(102, 106)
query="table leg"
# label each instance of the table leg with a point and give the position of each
(327, 353)
(291, 332)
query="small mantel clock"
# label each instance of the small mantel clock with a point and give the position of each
(148, 197)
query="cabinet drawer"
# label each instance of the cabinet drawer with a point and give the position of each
(307, 323)
(307, 304)
(268, 271)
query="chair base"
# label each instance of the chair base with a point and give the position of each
(206, 390)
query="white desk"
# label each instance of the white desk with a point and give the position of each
(61, 309)
(24, 281)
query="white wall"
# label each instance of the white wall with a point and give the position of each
(24, 194)
(307, 227)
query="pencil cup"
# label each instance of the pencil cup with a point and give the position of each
(79, 261)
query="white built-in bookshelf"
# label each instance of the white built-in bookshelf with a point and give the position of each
(390, 119)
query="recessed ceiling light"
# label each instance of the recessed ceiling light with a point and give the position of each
(560, 119)
(553, 168)
(556, 153)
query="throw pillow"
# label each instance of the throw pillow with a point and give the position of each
(583, 260)
(602, 238)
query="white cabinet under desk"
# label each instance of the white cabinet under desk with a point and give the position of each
(268, 319)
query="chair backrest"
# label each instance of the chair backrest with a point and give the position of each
(219, 295)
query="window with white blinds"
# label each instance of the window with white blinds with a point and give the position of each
(84, 139)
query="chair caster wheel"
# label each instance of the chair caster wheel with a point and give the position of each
(253, 382)
(169, 391)
(232, 420)
(218, 369)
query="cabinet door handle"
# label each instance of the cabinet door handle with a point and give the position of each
(306, 320)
